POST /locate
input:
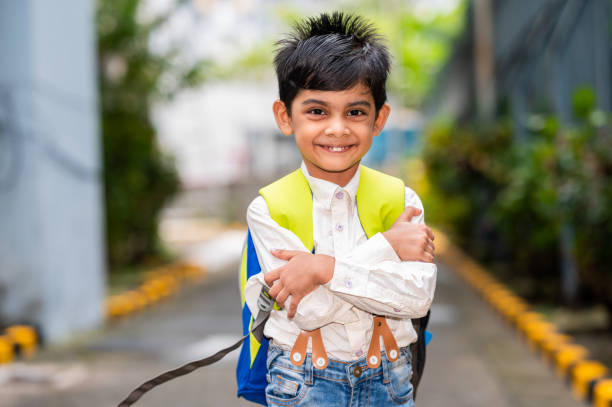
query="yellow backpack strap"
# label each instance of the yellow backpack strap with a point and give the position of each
(380, 200)
(290, 203)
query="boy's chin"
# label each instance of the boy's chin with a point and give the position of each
(336, 168)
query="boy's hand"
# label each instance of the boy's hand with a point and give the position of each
(302, 274)
(411, 242)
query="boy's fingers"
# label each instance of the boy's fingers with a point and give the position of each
(430, 248)
(275, 289)
(428, 258)
(285, 254)
(408, 213)
(282, 297)
(293, 307)
(429, 233)
(271, 276)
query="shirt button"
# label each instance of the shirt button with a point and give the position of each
(359, 353)
(396, 309)
(339, 195)
(339, 227)
(348, 283)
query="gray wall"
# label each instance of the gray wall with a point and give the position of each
(546, 49)
(51, 227)
(543, 50)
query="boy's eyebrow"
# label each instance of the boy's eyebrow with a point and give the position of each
(322, 102)
(360, 103)
(314, 102)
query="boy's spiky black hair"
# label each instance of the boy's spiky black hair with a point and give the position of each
(332, 52)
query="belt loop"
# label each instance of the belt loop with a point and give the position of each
(308, 370)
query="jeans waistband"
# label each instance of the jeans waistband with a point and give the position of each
(351, 372)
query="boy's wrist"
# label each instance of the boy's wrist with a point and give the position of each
(388, 235)
(325, 268)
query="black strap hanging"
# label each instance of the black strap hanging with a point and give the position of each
(265, 303)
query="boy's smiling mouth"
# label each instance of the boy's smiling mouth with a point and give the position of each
(336, 149)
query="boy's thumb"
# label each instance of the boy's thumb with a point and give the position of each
(408, 214)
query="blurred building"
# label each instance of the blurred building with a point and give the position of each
(224, 132)
(529, 55)
(51, 226)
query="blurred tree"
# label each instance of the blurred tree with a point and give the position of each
(420, 38)
(138, 177)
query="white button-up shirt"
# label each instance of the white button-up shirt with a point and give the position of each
(369, 278)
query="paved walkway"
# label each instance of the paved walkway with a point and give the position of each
(475, 359)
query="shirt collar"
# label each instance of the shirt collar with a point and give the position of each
(324, 191)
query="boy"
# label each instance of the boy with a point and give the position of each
(332, 74)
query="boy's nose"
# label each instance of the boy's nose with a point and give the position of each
(336, 128)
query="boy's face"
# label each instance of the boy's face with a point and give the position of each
(332, 129)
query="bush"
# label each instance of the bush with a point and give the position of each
(521, 193)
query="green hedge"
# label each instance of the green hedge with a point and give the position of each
(516, 195)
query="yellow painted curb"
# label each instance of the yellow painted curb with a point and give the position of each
(157, 284)
(527, 318)
(553, 343)
(587, 377)
(602, 393)
(6, 349)
(510, 306)
(567, 356)
(537, 331)
(583, 373)
(25, 337)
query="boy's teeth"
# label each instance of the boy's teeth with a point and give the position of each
(337, 149)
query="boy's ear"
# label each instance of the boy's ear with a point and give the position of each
(283, 119)
(381, 119)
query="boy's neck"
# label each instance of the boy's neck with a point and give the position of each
(341, 178)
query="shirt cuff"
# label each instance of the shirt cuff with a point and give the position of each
(374, 251)
(349, 279)
(381, 250)
(252, 290)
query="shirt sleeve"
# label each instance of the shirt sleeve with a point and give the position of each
(374, 279)
(316, 309)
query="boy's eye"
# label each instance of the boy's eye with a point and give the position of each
(316, 111)
(356, 112)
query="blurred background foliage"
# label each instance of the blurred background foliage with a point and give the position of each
(139, 178)
(419, 42)
(505, 199)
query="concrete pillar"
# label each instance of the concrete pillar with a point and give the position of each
(484, 60)
(51, 215)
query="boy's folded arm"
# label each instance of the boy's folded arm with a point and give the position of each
(316, 309)
(373, 278)
(400, 289)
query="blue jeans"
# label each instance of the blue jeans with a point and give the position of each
(346, 384)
